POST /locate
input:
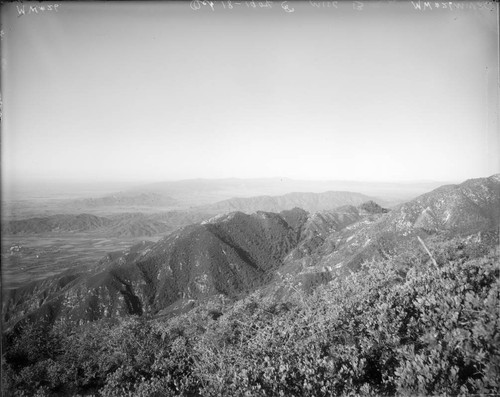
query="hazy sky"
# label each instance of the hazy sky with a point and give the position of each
(159, 91)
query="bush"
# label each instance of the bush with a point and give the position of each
(398, 326)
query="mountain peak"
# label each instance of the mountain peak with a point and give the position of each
(372, 207)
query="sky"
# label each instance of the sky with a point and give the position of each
(151, 91)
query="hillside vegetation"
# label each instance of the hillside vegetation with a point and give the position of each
(349, 301)
(402, 325)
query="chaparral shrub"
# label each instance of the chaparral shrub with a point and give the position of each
(399, 326)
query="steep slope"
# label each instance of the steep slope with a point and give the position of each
(311, 202)
(320, 225)
(464, 209)
(41, 299)
(471, 206)
(228, 254)
(234, 253)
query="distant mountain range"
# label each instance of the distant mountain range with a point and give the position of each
(118, 225)
(56, 223)
(195, 192)
(232, 254)
(48, 199)
(152, 224)
(311, 202)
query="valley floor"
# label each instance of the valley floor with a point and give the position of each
(30, 258)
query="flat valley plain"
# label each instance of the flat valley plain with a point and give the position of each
(31, 258)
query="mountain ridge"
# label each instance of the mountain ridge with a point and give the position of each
(309, 201)
(229, 255)
(234, 253)
(138, 224)
(461, 209)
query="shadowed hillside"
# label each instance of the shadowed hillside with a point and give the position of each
(393, 328)
(229, 254)
(350, 285)
(235, 253)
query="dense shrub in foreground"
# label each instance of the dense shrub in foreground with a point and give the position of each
(399, 326)
(432, 332)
